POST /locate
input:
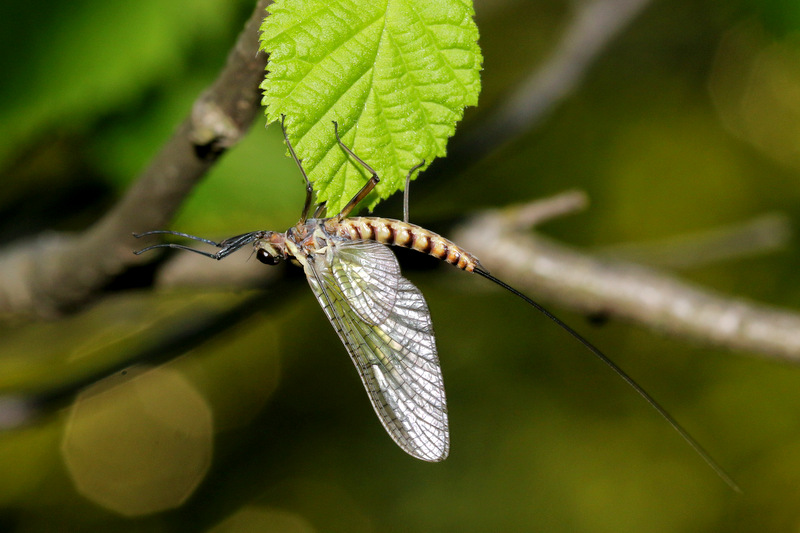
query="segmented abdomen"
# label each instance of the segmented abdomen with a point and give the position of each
(398, 233)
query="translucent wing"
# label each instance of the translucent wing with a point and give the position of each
(396, 357)
(368, 275)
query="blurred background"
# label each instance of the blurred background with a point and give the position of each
(689, 121)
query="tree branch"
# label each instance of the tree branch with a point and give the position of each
(768, 232)
(624, 290)
(58, 273)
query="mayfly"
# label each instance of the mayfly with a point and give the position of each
(382, 318)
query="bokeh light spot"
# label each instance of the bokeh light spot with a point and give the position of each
(139, 443)
(263, 520)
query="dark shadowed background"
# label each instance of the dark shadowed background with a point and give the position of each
(248, 415)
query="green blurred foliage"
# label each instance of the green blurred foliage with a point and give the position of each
(664, 136)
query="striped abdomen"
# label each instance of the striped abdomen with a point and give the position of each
(397, 233)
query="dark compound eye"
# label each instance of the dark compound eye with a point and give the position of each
(266, 258)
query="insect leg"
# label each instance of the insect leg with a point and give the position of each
(406, 190)
(319, 212)
(227, 247)
(309, 189)
(178, 247)
(177, 233)
(366, 189)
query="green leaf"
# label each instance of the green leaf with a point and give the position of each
(395, 75)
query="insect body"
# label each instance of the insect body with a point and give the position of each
(381, 318)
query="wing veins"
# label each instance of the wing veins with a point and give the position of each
(404, 386)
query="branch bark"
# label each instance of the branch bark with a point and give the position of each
(57, 273)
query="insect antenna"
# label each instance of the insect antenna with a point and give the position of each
(629, 380)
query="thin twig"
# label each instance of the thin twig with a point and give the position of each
(760, 235)
(591, 30)
(57, 273)
(526, 216)
(627, 291)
